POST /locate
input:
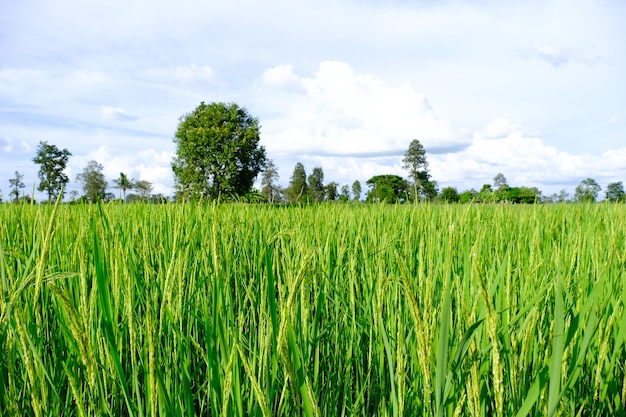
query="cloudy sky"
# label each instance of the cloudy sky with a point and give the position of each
(532, 89)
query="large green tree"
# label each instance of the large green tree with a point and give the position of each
(52, 162)
(297, 188)
(388, 189)
(217, 152)
(93, 182)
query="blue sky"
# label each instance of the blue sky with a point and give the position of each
(533, 89)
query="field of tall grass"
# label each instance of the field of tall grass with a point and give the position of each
(329, 310)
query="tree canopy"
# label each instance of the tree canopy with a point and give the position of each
(387, 189)
(269, 183)
(52, 162)
(415, 163)
(93, 181)
(615, 192)
(217, 152)
(124, 183)
(587, 190)
(298, 188)
(316, 184)
(16, 185)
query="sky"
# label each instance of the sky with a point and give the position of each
(533, 89)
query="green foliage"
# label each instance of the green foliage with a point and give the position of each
(16, 185)
(217, 152)
(415, 163)
(468, 196)
(615, 192)
(298, 189)
(587, 191)
(387, 189)
(356, 190)
(516, 195)
(52, 162)
(316, 185)
(124, 183)
(93, 182)
(450, 195)
(331, 191)
(269, 183)
(144, 188)
(191, 309)
(345, 193)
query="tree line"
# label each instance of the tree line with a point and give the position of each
(53, 181)
(219, 157)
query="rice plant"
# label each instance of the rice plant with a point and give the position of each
(321, 310)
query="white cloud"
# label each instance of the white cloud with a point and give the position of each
(280, 75)
(151, 165)
(341, 112)
(524, 159)
(114, 113)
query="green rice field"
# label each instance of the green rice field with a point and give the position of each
(321, 310)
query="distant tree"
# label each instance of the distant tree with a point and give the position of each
(563, 196)
(73, 196)
(52, 163)
(16, 185)
(297, 188)
(108, 197)
(486, 194)
(429, 190)
(415, 163)
(527, 195)
(159, 199)
(615, 192)
(450, 195)
(331, 191)
(388, 189)
(345, 193)
(468, 196)
(217, 152)
(93, 182)
(316, 184)
(124, 183)
(356, 190)
(499, 181)
(144, 188)
(587, 191)
(269, 183)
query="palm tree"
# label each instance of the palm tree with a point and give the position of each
(124, 183)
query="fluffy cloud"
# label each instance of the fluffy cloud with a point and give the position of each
(341, 112)
(525, 159)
